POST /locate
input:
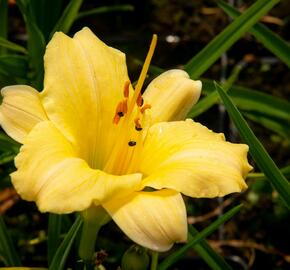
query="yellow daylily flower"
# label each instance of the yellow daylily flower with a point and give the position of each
(90, 139)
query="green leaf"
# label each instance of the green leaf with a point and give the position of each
(36, 43)
(270, 40)
(54, 231)
(257, 151)
(62, 252)
(14, 65)
(68, 17)
(171, 259)
(7, 250)
(7, 157)
(7, 144)
(3, 22)
(206, 57)
(261, 176)
(267, 110)
(207, 102)
(105, 9)
(46, 14)
(11, 46)
(205, 251)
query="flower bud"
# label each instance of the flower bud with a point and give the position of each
(135, 258)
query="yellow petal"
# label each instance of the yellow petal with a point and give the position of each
(189, 158)
(83, 84)
(20, 110)
(152, 219)
(171, 95)
(50, 173)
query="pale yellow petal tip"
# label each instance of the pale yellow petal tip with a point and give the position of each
(175, 91)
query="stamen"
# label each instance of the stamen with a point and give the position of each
(116, 119)
(145, 107)
(132, 143)
(138, 126)
(126, 89)
(125, 105)
(140, 100)
(121, 110)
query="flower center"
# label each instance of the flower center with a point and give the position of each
(129, 122)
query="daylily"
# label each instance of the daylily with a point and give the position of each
(91, 140)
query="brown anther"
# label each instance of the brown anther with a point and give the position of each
(125, 105)
(145, 107)
(138, 126)
(126, 89)
(132, 143)
(139, 100)
(116, 119)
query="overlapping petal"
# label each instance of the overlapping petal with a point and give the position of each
(189, 158)
(50, 173)
(84, 80)
(20, 111)
(175, 91)
(152, 219)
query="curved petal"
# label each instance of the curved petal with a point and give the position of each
(175, 91)
(152, 219)
(189, 158)
(83, 84)
(20, 110)
(49, 173)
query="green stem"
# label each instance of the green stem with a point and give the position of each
(94, 219)
(154, 260)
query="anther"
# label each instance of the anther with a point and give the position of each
(138, 126)
(116, 119)
(120, 114)
(131, 143)
(126, 89)
(125, 105)
(139, 100)
(145, 107)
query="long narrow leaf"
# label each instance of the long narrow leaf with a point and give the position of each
(267, 110)
(62, 252)
(3, 22)
(46, 14)
(105, 9)
(7, 144)
(7, 250)
(270, 40)
(208, 101)
(7, 157)
(257, 151)
(197, 238)
(36, 43)
(261, 176)
(14, 65)
(12, 46)
(54, 231)
(68, 17)
(206, 57)
(212, 258)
